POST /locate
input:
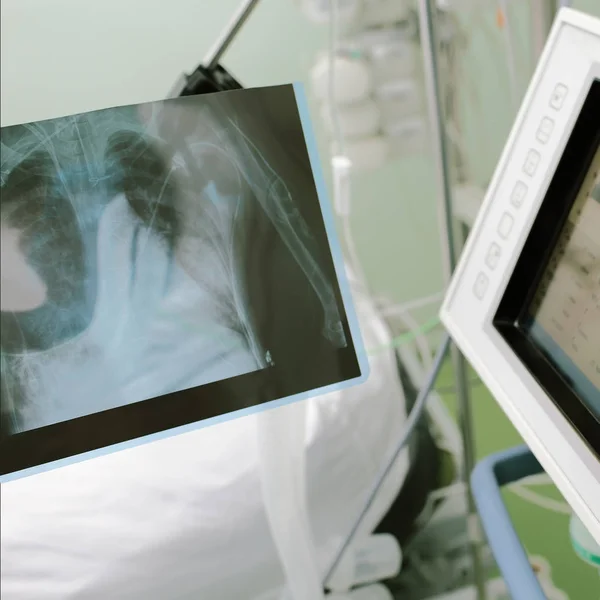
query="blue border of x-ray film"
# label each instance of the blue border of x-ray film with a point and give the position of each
(359, 347)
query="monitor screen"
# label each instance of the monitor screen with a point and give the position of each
(564, 316)
(549, 314)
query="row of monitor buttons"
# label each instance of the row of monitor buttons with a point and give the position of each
(519, 192)
(494, 253)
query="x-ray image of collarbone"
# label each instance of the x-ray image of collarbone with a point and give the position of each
(92, 155)
(81, 188)
(199, 133)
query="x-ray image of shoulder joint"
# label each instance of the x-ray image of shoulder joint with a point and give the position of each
(238, 141)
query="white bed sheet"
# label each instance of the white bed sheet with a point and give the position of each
(183, 518)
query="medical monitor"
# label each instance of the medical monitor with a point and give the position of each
(524, 303)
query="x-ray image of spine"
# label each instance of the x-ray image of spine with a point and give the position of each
(157, 248)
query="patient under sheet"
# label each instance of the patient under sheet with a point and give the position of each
(183, 518)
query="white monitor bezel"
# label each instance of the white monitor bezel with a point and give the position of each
(571, 58)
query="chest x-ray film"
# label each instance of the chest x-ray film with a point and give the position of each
(164, 265)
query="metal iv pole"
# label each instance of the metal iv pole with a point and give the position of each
(450, 249)
(542, 17)
(211, 60)
(210, 75)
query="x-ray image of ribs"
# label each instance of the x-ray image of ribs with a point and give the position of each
(138, 222)
(222, 132)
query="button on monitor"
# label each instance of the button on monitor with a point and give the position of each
(505, 225)
(558, 96)
(518, 194)
(545, 130)
(493, 256)
(531, 163)
(481, 285)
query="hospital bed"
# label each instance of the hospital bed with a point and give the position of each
(184, 517)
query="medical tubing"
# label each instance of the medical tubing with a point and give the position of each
(282, 463)
(341, 184)
(527, 495)
(342, 202)
(341, 164)
(332, 54)
(377, 558)
(511, 61)
(225, 39)
(411, 423)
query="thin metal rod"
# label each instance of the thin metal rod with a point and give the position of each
(542, 13)
(413, 420)
(227, 36)
(450, 249)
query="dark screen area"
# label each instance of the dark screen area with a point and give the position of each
(564, 316)
(549, 312)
